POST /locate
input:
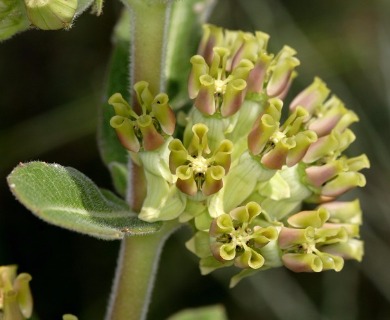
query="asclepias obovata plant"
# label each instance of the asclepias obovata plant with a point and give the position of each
(256, 176)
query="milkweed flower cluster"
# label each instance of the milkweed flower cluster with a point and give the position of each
(257, 176)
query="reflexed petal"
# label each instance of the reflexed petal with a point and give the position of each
(276, 157)
(262, 131)
(222, 155)
(150, 137)
(205, 101)
(322, 147)
(303, 141)
(233, 97)
(199, 68)
(125, 131)
(24, 297)
(257, 75)
(178, 155)
(213, 180)
(121, 107)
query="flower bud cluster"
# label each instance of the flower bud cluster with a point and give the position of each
(15, 296)
(240, 170)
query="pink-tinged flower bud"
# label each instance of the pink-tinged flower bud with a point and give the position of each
(150, 128)
(326, 116)
(265, 126)
(353, 230)
(344, 211)
(290, 237)
(318, 175)
(342, 183)
(311, 97)
(212, 37)
(313, 218)
(322, 147)
(302, 262)
(257, 75)
(281, 69)
(352, 249)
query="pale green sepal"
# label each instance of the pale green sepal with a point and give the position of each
(199, 244)
(119, 174)
(209, 264)
(276, 188)
(51, 14)
(157, 161)
(272, 255)
(203, 221)
(238, 185)
(241, 275)
(216, 312)
(163, 201)
(65, 197)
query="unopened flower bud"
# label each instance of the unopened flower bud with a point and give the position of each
(51, 14)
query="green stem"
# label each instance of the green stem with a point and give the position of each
(135, 274)
(139, 256)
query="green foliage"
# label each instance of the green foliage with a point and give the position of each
(65, 197)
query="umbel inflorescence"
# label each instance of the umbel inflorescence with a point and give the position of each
(258, 182)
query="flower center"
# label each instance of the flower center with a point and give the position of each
(199, 165)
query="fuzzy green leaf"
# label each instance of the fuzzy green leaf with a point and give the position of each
(67, 198)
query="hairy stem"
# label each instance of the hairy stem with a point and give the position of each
(139, 255)
(135, 274)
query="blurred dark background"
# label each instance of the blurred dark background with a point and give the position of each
(51, 84)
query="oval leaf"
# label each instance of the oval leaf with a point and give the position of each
(67, 198)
